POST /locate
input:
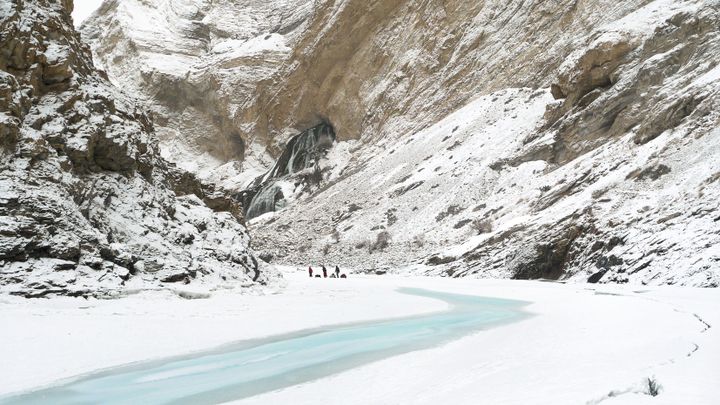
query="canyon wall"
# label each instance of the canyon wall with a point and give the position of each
(562, 139)
(87, 205)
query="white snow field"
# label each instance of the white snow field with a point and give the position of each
(84, 9)
(585, 344)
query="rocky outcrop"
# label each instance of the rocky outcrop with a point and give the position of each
(634, 79)
(87, 205)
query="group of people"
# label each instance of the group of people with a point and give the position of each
(335, 274)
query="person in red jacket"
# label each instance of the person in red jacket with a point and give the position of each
(310, 270)
(324, 271)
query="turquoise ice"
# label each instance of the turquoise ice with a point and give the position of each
(251, 368)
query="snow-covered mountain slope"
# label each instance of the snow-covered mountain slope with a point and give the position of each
(87, 205)
(561, 139)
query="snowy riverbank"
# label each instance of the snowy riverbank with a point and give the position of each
(584, 342)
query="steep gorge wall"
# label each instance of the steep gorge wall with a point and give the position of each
(371, 68)
(87, 205)
(526, 139)
(198, 66)
(379, 68)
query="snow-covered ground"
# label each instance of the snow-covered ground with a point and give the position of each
(584, 342)
(83, 9)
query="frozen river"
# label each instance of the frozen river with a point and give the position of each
(254, 367)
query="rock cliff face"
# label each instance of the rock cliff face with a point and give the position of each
(87, 205)
(557, 139)
(200, 65)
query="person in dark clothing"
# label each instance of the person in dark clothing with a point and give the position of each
(310, 270)
(337, 271)
(343, 276)
(324, 271)
(332, 275)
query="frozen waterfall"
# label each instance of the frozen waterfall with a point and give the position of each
(302, 152)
